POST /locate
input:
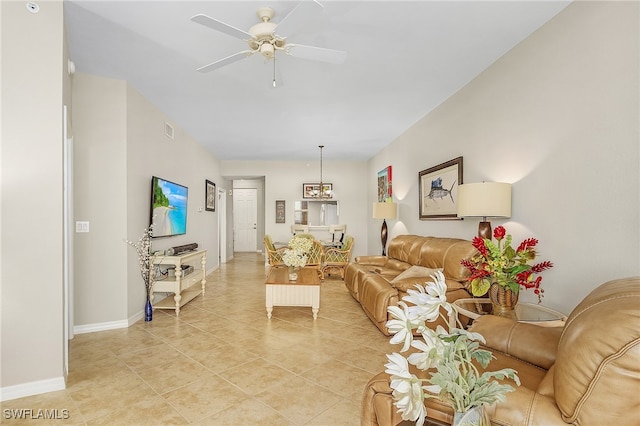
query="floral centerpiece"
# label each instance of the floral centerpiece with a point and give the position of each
(295, 256)
(143, 248)
(454, 378)
(499, 263)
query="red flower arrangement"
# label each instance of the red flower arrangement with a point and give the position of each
(500, 263)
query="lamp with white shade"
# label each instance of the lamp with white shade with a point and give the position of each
(384, 211)
(484, 199)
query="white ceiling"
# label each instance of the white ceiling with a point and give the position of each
(404, 59)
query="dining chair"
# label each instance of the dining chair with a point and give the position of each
(335, 259)
(296, 229)
(274, 255)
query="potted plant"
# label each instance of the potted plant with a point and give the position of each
(501, 270)
(449, 356)
(295, 256)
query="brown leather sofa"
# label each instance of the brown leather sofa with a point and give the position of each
(376, 283)
(587, 373)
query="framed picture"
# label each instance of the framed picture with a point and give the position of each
(280, 211)
(312, 190)
(384, 185)
(210, 196)
(438, 190)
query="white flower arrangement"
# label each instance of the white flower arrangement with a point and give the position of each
(296, 253)
(455, 379)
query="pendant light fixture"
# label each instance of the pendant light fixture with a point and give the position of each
(321, 193)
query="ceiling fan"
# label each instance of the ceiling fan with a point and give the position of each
(267, 37)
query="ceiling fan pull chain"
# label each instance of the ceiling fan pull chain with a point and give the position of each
(274, 71)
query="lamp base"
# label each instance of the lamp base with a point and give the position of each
(484, 230)
(383, 236)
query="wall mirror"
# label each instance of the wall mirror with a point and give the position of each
(316, 212)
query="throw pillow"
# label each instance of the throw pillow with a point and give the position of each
(416, 272)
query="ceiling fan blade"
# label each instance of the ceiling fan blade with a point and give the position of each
(298, 17)
(226, 61)
(316, 53)
(208, 21)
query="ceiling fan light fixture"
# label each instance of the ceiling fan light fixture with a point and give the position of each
(262, 36)
(266, 49)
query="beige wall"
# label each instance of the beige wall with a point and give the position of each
(558, 117)
(181, 160)
(119, 145)
(100, 198)
(283, 181)
(31, 277)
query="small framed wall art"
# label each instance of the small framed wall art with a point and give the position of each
(438, 190)
(210, 196)
(384, 185)
(280, 211)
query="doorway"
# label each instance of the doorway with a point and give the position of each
(245, 215)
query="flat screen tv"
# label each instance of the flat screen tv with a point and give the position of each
(168, 208)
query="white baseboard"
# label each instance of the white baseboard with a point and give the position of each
(29, 389)
(112, 325)
(135, 318)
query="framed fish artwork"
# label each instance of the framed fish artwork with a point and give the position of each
(438, 189)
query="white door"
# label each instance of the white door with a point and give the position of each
(245, 214)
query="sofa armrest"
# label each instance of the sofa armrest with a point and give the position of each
(377, 403)
(372, 260)
(528, 342)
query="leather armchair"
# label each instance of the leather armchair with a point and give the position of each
(587, 373)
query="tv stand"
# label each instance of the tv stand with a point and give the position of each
(184, 288)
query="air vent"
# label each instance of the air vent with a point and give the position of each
(168, 130)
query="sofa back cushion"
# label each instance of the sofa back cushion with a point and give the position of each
(597, 369)
(433, 252)
(400, 247)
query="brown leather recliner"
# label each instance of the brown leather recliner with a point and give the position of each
(587, 373)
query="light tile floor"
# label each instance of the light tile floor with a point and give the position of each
(222, 362)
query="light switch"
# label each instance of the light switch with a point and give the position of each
(82, 226)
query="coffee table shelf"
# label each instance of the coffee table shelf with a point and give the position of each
(305, 291)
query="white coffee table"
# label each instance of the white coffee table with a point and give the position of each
(525, 312)
(305, 291)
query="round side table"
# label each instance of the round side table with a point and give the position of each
(530, 313)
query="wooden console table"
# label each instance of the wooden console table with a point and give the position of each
(184, 288)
